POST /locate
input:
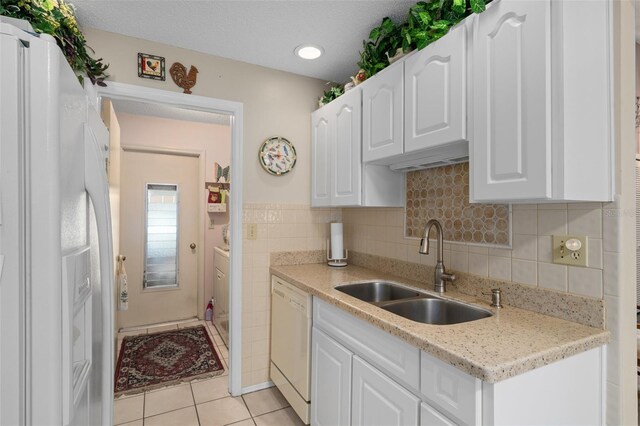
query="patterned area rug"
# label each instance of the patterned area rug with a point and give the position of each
(151, 361)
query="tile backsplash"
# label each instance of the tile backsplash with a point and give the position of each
(379, 232)
(442, 193)
(280, 227)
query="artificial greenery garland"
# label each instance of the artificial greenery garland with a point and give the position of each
(426, 22)
(57, 18)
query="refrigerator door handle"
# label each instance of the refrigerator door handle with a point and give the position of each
(97, 187)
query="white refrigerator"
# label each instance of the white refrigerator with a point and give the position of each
(56, 260)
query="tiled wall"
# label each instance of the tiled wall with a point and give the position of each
(442, 193)
(379, 232)
(281, 227)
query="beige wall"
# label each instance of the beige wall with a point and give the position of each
(275, 103)
(214, 140)
(281, 227)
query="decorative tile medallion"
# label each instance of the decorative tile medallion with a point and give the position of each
(443, 193)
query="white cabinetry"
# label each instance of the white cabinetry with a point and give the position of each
(362, 375)
(541, 102)
(221, 292)
(378, 400)
(436, 93)
(414, 112)
(382, 115)
(330, 381)
(338, 177)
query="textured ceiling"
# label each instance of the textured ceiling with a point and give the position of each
(262, 32)
(173, 113)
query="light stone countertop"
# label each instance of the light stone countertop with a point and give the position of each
(511, 342)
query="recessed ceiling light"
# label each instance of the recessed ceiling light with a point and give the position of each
(309, 51)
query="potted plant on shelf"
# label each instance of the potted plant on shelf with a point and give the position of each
(57, 18)
(427, 22)
(330, 94)
(385, 41)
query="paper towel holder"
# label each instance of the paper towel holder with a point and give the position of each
(336, 262)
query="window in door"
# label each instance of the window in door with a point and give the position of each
(161, 236)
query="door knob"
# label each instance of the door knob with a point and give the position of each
(193, 246)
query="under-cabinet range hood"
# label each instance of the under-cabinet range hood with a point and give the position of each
(443, 155)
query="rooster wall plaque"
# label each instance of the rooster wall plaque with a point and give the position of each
(182, 78)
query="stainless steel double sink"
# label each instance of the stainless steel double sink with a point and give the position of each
(413, 304)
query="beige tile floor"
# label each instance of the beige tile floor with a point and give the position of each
(202, 402)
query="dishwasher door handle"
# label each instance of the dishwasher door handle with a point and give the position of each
(279, 293)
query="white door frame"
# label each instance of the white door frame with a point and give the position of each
(130, 92)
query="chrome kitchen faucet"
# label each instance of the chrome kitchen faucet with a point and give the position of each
(440, 276)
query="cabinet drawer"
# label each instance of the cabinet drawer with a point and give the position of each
(395, 357)
(452, 391)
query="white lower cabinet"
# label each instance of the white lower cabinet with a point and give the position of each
(451, 391)
(360, 377)
(379, 401)
(429, 416)
(330, 381)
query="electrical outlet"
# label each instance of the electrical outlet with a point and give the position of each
(252, 231)
(570, 250)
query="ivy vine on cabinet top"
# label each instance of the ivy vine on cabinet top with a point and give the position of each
(57, 18)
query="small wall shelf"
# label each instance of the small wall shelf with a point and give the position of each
(221, 185)
(216, 207)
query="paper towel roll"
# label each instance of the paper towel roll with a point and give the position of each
(337, 249)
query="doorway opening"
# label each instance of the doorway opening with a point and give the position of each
(160, 152)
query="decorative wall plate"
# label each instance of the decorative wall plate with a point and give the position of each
(277, 156)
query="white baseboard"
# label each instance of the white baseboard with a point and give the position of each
(255, 388)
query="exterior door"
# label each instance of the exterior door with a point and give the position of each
(158, 228)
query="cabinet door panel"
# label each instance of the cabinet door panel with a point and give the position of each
(435, 93)
(378, 400)
(320, 154)
(347, 144)
(429, 416)
(330, 381)
(454, 392)
(511, 144)
(382, 115)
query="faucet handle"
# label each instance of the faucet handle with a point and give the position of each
(448, 277)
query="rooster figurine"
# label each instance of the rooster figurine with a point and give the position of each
(182, 78)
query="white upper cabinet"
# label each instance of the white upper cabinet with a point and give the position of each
(320, 170)
(436, 93)
(338, 176)
(382, 115)
(541, 102)
(347, 165)
(512, 92)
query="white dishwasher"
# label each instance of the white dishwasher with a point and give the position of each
(290, 367)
